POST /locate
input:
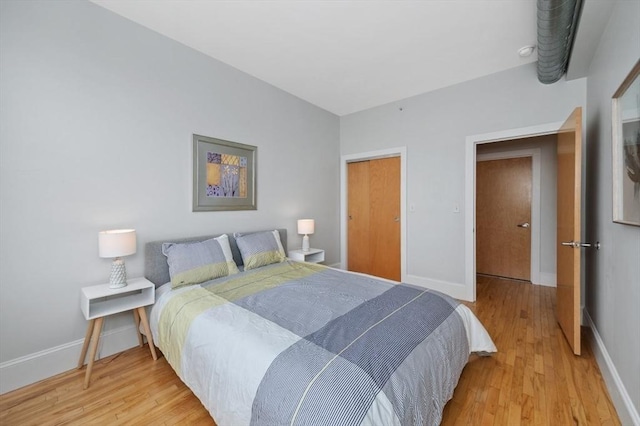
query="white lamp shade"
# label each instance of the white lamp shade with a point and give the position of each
(117, 243)
(306, 226)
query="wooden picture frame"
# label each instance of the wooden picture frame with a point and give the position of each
(224, 175)
(626, 149)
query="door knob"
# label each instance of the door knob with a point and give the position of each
(397, 219)
(524, 225)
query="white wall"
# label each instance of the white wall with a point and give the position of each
(434, 127)
(547, 145)
(613, 272)
(97, 115)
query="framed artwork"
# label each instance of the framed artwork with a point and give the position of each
(224, 175)
(626, 150)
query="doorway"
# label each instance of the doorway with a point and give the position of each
(568, 216)
(472, 144)
(541, 150)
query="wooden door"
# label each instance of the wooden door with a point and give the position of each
(503, 217)
(358, 259)
(384, 226)
(568, 232)
(373, 228)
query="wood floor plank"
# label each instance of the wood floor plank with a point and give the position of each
(533, 379)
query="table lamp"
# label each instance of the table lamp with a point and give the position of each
(117, 243)
(305, 227)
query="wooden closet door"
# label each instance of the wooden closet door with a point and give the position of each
(358, 217)
(373, 228)
(384, 225)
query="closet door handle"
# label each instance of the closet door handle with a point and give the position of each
(524, 225)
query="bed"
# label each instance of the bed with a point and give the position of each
(289, 342)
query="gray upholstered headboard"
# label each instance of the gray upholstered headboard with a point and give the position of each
(156, 268)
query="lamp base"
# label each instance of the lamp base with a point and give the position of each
(118, 278)
(305, 243)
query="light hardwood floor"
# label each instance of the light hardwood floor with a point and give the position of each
(533, 379)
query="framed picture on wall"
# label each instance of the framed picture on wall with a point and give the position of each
(224, 175)
(626, 150)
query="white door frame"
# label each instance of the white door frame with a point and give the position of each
(534, 153)
(372, 155)
(470, 191)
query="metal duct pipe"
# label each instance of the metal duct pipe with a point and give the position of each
(557, 24)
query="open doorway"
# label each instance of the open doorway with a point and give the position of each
(472, 143)
(568, 215)
(516, 184)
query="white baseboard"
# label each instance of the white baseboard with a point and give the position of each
(34, 367)
(455, 290)
(547, 279)
(621, 400)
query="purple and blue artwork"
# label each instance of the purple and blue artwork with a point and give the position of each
(226, 175)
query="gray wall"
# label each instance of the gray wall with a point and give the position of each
(434, 127)
(548, 192)
(97, 116)
(613, 273)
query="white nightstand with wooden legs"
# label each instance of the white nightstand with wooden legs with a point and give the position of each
(99, 301)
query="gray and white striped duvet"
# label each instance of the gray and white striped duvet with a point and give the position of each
(296, 343)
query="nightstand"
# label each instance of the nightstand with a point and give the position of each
(313, 255)
(99, 301)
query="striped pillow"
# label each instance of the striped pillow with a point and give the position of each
(260, 249)
(194, 263)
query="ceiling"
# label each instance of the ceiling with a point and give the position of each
(346, 56)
